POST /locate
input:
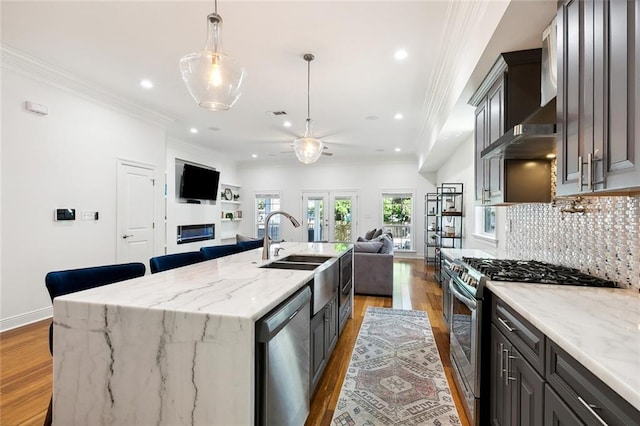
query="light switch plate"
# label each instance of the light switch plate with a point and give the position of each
(88, 215)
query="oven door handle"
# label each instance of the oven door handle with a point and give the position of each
(471, 304)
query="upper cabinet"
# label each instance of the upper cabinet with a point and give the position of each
(508, 96)
(598, 101)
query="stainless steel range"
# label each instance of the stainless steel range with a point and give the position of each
(467, 278)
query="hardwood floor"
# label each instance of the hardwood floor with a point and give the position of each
(25, 362)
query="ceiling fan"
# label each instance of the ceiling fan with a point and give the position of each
(308, 149)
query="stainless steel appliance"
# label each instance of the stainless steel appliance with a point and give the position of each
(346, 284)
(282, 363)
(468, 321)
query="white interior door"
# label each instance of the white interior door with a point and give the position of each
(135, 221)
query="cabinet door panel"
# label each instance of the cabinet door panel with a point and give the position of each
(318, 343)
(500, 408)
(527, 391)
(621, 156)
(569, 91)
(496, 117)
(556, 412)
(480, 141)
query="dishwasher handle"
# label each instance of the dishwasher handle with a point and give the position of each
(268, 326)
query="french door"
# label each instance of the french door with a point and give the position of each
(329, 216)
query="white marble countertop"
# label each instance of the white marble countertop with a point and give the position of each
(176, 347)
(460, 253)
(599, 327)
(228, 286)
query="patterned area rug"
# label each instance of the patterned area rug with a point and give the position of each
(395, 376)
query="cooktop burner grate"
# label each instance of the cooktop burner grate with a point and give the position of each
(534, 272)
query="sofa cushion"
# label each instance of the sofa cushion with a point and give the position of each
(387, 244)
(369, 234)
(367, 246)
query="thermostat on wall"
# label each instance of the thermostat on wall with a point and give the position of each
(64, 214)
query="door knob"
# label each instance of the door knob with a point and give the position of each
(125, 236)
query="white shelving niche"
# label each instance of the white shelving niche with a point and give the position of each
(230, 212)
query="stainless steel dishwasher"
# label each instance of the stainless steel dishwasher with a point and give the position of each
(282, 363)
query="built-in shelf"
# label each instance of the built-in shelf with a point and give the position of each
(230, 202)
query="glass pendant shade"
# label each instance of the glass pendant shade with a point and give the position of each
(212, 78)
(308, 149)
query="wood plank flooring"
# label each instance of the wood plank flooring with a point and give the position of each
(25, 362)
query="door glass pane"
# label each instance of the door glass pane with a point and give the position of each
(396, 218)
(265, 204)
(315, 219)
(342, 219)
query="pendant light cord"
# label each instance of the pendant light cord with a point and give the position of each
(215, 6)
(309, 90)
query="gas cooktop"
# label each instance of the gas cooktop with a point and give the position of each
(531, 271)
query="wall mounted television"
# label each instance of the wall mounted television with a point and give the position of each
(199, 183)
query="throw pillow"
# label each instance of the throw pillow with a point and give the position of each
(240, 238)
(367, 246)
(361, 239)
(387, 244)
(369, 234)
(376, 234)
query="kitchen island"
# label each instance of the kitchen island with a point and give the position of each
(172, 348)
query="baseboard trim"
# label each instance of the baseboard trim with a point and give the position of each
(26, 318)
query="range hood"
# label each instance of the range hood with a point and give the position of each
(533, 139)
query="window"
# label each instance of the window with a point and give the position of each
(397, 218)
(265, 204)
(485, 223)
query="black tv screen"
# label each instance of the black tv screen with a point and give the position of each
(199, 183)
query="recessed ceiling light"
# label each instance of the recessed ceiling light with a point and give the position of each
(400, 54)
(287, 124)
(147, 84)
(397, 150)
(551, 156)
(254, 155)
(193, 130)
(398, 116)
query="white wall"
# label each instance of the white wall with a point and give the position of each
(368, 179)
(194, 214)
(460, 167)
(65, 159)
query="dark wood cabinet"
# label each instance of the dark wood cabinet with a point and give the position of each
(598, 98)
(517, 388)
(324, 337)
(556, 412)
(318, 347)
(535, 382)
(507, 96)
(588, 398)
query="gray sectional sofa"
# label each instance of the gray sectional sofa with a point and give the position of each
(373, 264)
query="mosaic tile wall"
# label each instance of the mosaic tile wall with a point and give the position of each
(604, 241)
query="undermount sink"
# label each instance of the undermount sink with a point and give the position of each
(305, 259)
(291, 265)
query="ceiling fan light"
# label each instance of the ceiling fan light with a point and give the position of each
(212, 78)
(308, 149)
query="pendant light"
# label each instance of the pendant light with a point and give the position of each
(212, 77)
(308, 149)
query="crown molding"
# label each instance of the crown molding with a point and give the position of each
(461, 21)
(14, 60)
(498, 68)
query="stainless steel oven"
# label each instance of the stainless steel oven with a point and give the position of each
(465, 337)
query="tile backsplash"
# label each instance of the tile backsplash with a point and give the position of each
(604, 241)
